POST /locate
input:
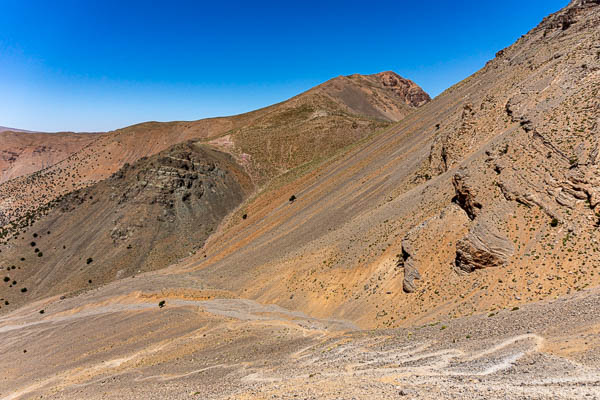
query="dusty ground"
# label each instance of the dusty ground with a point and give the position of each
(116, 342)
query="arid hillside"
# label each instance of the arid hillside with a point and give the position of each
(23, 153)
(483, 199)
(144, 217)
(161, 208)
(267, 142)
(453, 254)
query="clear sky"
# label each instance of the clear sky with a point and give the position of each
(100, 65)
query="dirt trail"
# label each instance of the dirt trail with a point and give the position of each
(237, 348)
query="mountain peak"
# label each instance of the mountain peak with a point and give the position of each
(413, 93)
(384, 95)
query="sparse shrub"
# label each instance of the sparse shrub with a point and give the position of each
(40, 254)
(6, 279)
(573, 162)
(23, 290)
(292, 198)
(42, 311)
(554, 222)
(514, 309)
(244, 216)
(89, 260)
(32, 244)
(161, 303)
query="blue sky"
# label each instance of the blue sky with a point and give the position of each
(101, 65)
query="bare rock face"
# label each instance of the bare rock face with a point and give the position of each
(451, 142)
(404, 88)
(569, 16)
(483, 247)
(465, 194)
(384, 96)
(408, 262)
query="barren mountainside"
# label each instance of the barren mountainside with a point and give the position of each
(482, 199)
(359, 240)
(161, 208)
(266, 142)
(144, 217)
(23, 153)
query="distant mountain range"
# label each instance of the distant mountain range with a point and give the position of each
(4, 129)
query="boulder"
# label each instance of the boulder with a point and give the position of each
(408, 262)
(483, 247)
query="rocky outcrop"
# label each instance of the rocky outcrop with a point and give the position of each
(483, 247)
(465, 194)
(384, 96)
(455, 138)
(406, 89)
(408, 262)
(569, 16)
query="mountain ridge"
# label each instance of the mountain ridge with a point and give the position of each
(121, 244)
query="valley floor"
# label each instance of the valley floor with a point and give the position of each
(116, 342)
